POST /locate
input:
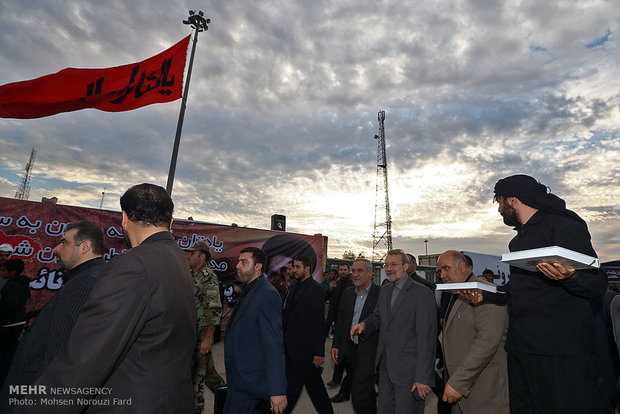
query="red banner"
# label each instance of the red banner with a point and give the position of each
(122, 88)
(34, 229)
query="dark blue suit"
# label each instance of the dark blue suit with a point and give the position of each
(254, 350)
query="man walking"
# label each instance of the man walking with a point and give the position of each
(253, 345)
(304, 339)
(334, 296)
(136, 332)
(208, 314)
(473, 346)
(405, 316)
(551, 336)
(357, 303)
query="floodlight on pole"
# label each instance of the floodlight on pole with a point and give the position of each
(199, 24)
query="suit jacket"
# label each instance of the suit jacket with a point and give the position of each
(303, 321)
(254, 346)
(407, 333)
(473, 342)
(342, 340)
(52, 327)
(135, 335)
(336, 295)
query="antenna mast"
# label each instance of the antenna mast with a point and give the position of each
(382, 233)
(24, 187)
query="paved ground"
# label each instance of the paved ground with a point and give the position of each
(304, 406)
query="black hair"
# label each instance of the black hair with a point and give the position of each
(257, 255)
(148, 204)
(305, 261)
(87, 230)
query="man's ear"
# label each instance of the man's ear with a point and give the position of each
(124, 219)
(514, 201)
(86, 246)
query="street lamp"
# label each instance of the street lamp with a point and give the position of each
(199, 24)
(426, 246)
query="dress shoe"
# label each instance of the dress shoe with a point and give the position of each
(333, 384)
(339, 398)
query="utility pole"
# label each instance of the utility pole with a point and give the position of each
(24, 188)
(382, 233)
(199, 24)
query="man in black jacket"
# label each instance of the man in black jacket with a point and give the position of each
(356, 304)
(334, 296)
(304, 343)
(133, 339)
(79, 257)
(552, 362)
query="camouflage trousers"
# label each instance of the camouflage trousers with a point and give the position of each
(203, 373)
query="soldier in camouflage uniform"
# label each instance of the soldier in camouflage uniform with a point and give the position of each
(208, 314)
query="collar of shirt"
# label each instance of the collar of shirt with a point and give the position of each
(400, 285)
(364, 292)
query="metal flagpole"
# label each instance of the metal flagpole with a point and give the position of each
(199, 24)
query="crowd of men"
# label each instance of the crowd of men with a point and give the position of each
(138, 331)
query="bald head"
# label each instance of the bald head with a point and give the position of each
(452, 266)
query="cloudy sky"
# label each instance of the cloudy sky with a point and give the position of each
(283, 109)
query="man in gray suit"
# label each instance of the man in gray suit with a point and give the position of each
(406, 316)
(131, 347)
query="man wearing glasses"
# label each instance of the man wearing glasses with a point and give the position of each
(405, 316)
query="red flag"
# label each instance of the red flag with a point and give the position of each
(122, 88)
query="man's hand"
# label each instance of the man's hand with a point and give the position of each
(206, 344)
(450, 395)
(556, 271)
(278, 403)
(357, 329)
(423, 390)
(473, 296)
(318, 361)
(334, 354)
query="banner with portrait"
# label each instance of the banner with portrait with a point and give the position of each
(34, 229)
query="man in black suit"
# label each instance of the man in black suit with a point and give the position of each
(134, 337)
(357, 304)
(304, 341)
(334, 296)
(79, 256)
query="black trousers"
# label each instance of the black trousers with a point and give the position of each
(363, 380)
(300, 373)
(547, 384)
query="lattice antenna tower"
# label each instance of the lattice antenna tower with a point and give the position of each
(24, 187)
(382, 233)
